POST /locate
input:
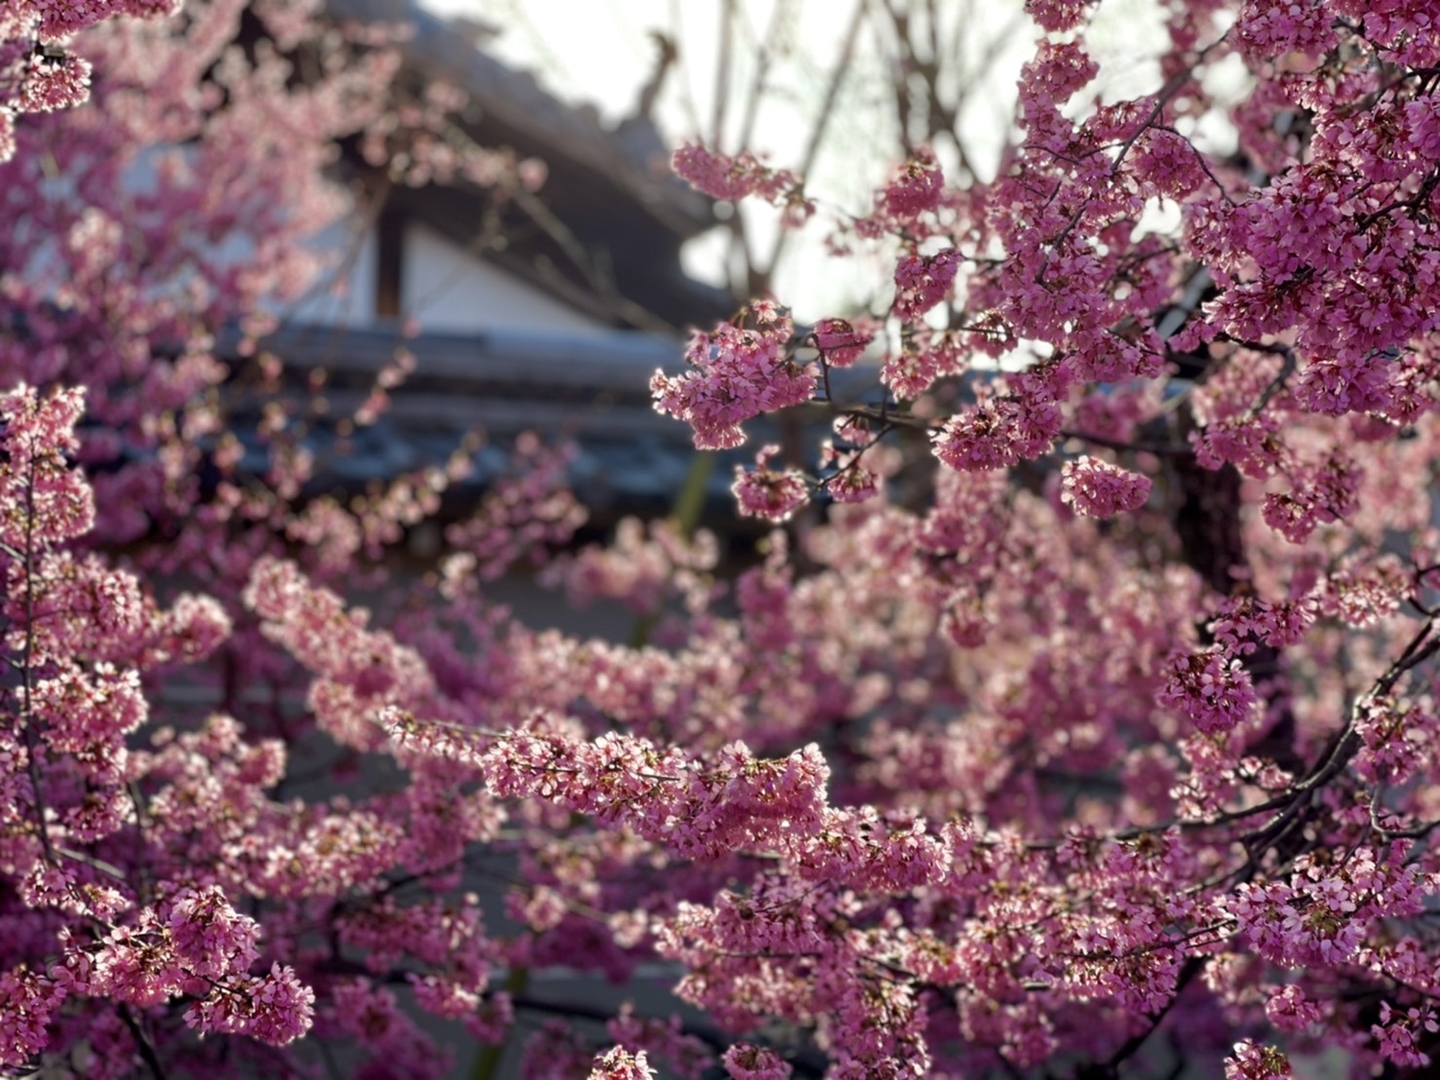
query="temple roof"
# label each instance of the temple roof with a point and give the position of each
(610, 187)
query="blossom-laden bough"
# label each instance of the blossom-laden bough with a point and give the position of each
(1115, 746)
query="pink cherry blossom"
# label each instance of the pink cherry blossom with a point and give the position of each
(839, 342)
(963, 770)
(767, 493)
(619, 1064)
(1095, 488)
(922, 281)
(736, 374)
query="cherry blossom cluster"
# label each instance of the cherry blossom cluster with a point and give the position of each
(643, 568)
(524, 516)
(1212, 688)
(1250, 397)
(1089, 723)
(1284, 262)
(157, 887)
(619, 1064)
(1096, 488)
(768, 493)
(38, 72)
(737, 372)
(79, 634)
(734, 178)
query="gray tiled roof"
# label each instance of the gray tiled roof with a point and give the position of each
(589, 389)
(633, 155)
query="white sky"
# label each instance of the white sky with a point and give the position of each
(598, 51)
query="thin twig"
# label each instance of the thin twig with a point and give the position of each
(142, 1042)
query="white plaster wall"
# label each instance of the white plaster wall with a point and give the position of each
(344, 292)
(449, 290)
